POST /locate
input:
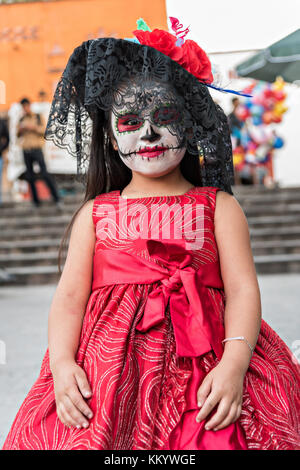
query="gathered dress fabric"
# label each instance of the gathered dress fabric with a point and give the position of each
(152, 331)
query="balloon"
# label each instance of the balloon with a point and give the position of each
(267, 117)
(277, 119)
(259, 87)
(257, 110)
(257, 120)
(242, 113)
(237, 158)
(278, 84)
(268, 104)
(268, 93)
(248, 103)
(252, 146)
(258, 99)
(279, 95)
(278, 143)
(238, 150)
(260, 134)
(279, 109)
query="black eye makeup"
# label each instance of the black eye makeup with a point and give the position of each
(128, 123)
(166, 115)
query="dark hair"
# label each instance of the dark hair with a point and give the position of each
(25, 101)
(107, 172)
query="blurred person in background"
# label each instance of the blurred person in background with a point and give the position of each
(30, 132)
(4, 142)
(235, 124)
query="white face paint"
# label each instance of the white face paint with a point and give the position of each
(146, 127)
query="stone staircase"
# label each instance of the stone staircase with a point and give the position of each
(29, 240)
(274, 221)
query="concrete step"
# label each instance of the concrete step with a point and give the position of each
(262, 210)
(49, 258)
(42, 212)
(25, 208)
(29, 246)
(31, 275)
(268, 198)
(281, 233)
(31, 233)
(258, 189)
(269, 247)
(33, 222)
(69, 199)
(274, 221)
(284, 263)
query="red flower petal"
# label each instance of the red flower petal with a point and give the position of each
(190, 56)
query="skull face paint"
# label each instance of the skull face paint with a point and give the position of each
(148, 125)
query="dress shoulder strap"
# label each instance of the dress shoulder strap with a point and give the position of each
(211, 193)
(208, 195)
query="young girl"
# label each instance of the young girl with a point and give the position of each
(155, 332)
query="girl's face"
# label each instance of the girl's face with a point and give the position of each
(147, 128)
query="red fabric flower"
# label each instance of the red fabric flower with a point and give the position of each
(162, 41)
(190, 56)
(196, 61)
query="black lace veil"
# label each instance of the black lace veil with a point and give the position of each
(89, 84)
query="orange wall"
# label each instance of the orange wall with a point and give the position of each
(29, 33)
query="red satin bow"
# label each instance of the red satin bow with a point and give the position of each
(197, 326)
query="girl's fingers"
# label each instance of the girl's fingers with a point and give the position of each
(203, 391)
(74, 414)
(220, 415)
(65, 418)
(230, 418)
(83, 384)
(208, 406)
(79, 402)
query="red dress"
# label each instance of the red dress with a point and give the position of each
(152, 330)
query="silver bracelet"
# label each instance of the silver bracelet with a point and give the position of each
(240, 338)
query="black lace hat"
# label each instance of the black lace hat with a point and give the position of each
(92, 78)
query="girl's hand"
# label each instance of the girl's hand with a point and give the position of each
(70, 386)
(223, 386)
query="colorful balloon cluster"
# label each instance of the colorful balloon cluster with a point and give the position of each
(255, 140)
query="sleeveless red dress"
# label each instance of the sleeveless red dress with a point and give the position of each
(152, 330)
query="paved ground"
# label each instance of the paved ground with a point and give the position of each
(23, 331)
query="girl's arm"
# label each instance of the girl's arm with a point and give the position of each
(65, 321)
(73, 290)
(224, 384)
(243, 302)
